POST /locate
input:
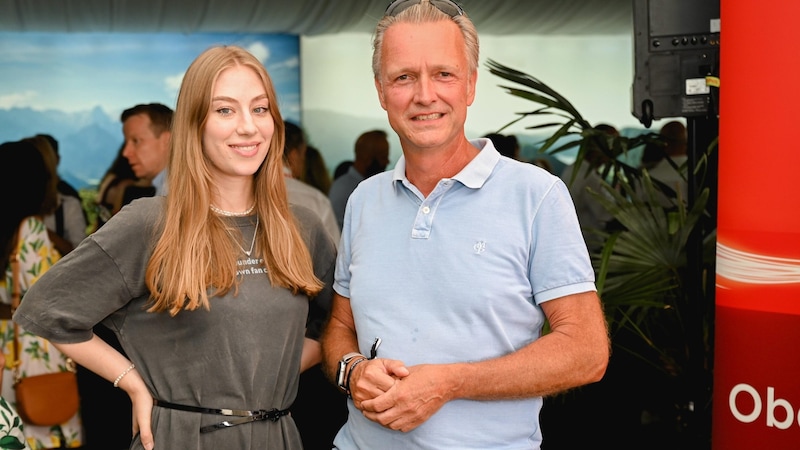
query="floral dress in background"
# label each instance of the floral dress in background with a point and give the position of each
(38, 356)
(11, 434)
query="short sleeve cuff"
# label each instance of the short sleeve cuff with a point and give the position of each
(563, 291)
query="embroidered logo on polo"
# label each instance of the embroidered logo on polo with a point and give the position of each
(479, 247)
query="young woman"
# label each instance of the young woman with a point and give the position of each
(215, 290)
(29, 181)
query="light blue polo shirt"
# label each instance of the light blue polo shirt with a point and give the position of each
(458, 276)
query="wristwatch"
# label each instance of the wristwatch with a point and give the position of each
(341, 378)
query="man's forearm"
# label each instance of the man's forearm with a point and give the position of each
(339, 337)
(574, 353)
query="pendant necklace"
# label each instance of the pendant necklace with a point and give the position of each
(252, 244)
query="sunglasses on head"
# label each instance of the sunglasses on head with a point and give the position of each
(446, 6)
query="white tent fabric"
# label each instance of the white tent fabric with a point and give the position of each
(304, 17)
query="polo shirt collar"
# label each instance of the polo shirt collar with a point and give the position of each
(474, 174)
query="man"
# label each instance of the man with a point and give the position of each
(671, 170)
(592, 215)
(371, 157)
(301, 193)
(318, 409)
(146, 128)
(454, 260)
(294, 151)
(506, 144)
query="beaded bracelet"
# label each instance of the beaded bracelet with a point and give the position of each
(350, 374)
(124, 372)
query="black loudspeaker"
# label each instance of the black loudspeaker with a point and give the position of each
(676, 59)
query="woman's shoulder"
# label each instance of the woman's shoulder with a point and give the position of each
(32, 225)
(145, 206)
(307, 219)
(310, 225)
(33, 236)
(304, 214)
(36, 250)
(139, 216)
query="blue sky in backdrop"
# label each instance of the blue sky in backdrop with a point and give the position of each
(78, 71)
(75, 85)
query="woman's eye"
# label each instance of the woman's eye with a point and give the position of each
(261, 110)
(225, 111)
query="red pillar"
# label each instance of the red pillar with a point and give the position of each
(756, 401)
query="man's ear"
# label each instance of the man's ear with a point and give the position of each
(164, 137)
(473, 81)
(381, 97)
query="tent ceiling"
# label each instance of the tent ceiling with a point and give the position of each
(304, 17)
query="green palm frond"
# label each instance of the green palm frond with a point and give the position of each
(641, 263)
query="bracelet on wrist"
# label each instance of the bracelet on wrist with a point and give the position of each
(350, 375)
(341, 372)
(122, 375)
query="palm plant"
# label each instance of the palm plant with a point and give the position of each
(572, 129)
(647, 283)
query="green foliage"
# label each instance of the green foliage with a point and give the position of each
(572, 130)
(89, 204)
(642, 271)
(641, 262)
(10, 424)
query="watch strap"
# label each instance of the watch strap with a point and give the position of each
(350, 375)
(341, 375)
(349, 357)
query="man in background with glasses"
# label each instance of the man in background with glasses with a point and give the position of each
(452, 263)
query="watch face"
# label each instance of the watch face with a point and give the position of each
(340, 378)
(340, 373)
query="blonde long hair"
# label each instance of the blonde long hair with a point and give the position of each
(194, 257)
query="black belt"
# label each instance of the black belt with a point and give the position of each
(245, 416)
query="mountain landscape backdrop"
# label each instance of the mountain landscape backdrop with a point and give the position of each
(74, 86)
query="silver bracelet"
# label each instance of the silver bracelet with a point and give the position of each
(124, 372)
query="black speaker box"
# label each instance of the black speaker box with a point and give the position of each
(676, 59)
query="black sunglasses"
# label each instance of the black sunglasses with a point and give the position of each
(446, 6)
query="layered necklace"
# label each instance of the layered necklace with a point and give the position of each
(252, 244)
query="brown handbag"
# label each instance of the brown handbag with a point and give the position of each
(48, 399)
